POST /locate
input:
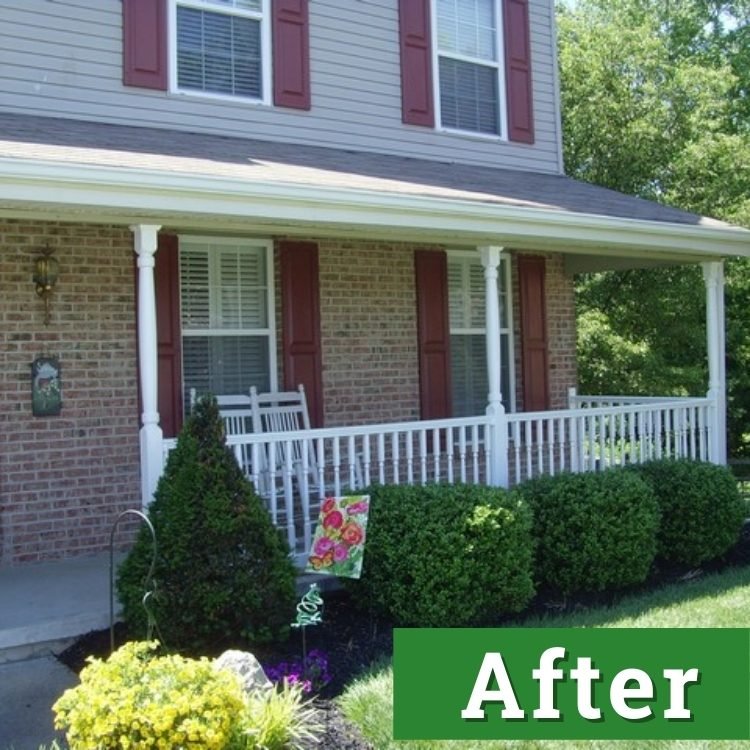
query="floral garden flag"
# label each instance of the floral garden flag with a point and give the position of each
(339, 542)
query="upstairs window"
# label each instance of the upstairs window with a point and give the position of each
(222, 47)
(228, 335)
(469, 65)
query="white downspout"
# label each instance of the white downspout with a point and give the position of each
(713, 275)
(495, 411)
(145, 244)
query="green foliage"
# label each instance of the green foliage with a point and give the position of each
(223, 571)
(446, 555)
(594, 530)
(701, 509)
(135, 699)
(654, 104)
(278, 720)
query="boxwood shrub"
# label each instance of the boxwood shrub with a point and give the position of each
(701, 509)
(593, 531)
(446, 555)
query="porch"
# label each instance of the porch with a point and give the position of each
(297, 469)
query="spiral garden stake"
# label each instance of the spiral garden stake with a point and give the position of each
(309, 612)
(151, 624)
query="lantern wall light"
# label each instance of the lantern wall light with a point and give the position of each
(46, 271)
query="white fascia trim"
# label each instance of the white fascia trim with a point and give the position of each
(139, 192)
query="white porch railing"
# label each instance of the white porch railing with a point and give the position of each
(596, 437)
(588, 438)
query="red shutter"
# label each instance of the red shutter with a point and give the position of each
(416, 62)
(168, 334)
(300, 316)
(433, 333)
(533, 333)
(518, 71)
(144, 43)
(291, 54)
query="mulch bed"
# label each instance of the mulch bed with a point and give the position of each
(353, 639)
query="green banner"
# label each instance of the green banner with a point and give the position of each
(571, 683)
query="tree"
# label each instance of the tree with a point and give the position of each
(655, 103)
(223, 573)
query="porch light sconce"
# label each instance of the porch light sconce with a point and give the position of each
(46, 271)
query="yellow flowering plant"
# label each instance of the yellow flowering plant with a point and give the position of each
(136, 699)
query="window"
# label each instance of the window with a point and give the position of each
(466, 309)
(228, 336)
(221, 47)
(469, 65)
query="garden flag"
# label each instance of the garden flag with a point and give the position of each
(339, 542)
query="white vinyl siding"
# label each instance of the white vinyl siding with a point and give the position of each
(228, 336)
(466, 307)
(65, 57)
(220, 47)
(468, 49)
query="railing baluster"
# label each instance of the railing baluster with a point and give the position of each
(321, 457)
(366, 455)
(517, 450)
(336, 467)
(410, 457)
(394, 456)
(475, 450)
(659, 432)
(351, 462)
(304, 492)
(527, 450)
(702, 433)
(462, 452)
(602, 442)
(288, 475)
(449, 453)
(381, 458)
(551, 446)
(423, 456)
(436, 453)
(691, 415)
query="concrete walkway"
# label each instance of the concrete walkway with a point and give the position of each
(27, 691)
(44, 608)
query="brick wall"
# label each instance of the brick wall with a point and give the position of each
(369, 332)
(63, 479)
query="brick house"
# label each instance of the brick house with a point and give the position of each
(366, 198)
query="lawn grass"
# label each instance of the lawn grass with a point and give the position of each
(716, 601)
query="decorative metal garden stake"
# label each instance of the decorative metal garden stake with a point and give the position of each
(147, 584)
(309, 612)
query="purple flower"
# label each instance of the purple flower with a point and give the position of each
(340, 552)
(323, 545)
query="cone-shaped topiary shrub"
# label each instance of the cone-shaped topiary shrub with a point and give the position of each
(446, 554)
(593, 531)
(223, 571)
(701, 509)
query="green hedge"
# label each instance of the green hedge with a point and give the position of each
(701, 507)
(446, 555)
(593, 531)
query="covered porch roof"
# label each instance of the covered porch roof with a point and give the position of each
(61, 169)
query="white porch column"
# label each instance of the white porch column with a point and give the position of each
(495, 411)
(145, 243)
(713, 275)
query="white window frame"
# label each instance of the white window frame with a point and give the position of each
(270, 330)
(498, 64)
(505, 271)
(265, 40)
